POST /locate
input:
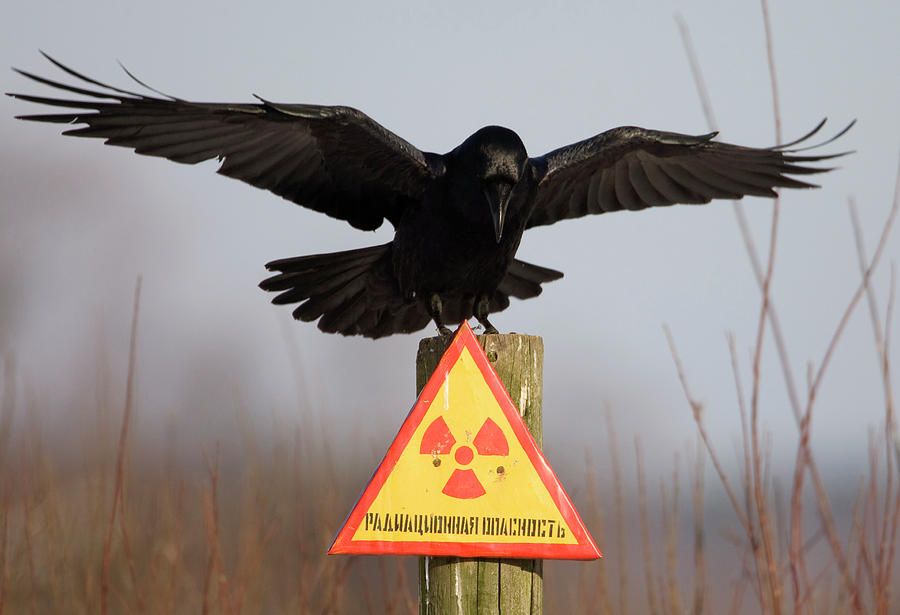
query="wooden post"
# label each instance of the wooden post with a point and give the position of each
(469, 586)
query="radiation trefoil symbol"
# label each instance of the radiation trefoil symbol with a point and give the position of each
(438, 441)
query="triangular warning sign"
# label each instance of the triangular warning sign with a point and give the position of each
(464, 477)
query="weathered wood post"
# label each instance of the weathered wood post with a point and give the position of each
(468, 586)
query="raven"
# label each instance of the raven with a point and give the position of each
(458, 217)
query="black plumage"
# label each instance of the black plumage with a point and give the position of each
(458, 217)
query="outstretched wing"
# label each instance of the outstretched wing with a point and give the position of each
(335, 160)
(635, 168)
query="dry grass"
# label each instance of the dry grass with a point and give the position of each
(246, 531)
(131, 532)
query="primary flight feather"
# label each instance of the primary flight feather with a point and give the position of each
(458, 217)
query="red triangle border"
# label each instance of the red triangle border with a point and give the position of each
(343, 543)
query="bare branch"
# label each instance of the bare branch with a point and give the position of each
(120, 459)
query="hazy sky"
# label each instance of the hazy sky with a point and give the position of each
(79, 220)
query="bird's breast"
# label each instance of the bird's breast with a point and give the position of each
(438, 248)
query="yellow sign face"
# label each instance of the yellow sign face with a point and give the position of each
(464, 477)
(466, 474)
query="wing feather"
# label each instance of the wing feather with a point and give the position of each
(635, 168)
(666, 186)
(335, 160)
(692, 182)
(642, 185)
(607, 195)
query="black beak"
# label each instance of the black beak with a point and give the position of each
(497, 193)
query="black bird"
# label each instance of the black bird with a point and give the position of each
(458, 217)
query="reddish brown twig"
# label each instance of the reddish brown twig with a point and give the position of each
(700, 588)
(760, 498)
(670, 538)
(120, 458)
(211, 521)
(746, 517)
(621, 551)
(29, 551)
(645, 529)
(4, 546)
(891, 501)
(821, 496)
(179, 548)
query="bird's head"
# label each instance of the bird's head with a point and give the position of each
(496, 157)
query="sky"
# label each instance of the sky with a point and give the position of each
(79, 221)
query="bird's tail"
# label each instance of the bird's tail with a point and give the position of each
(523, 280)
(352, 292)
(355, 292)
